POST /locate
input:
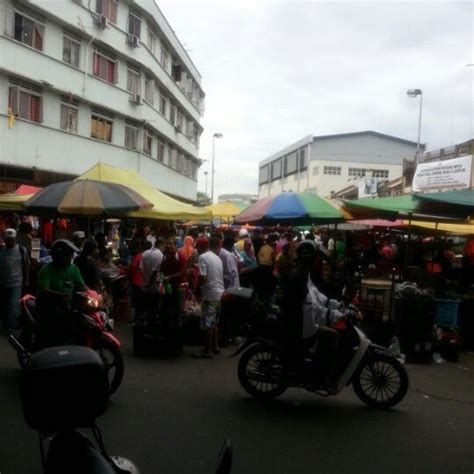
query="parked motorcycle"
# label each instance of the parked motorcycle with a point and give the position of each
(66, 388)
(267, 368)
(92, 328)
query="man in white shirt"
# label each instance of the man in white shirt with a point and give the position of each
(150, 268)
(211, 284)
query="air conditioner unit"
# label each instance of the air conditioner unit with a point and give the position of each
(133, 40)
(136, 99)
(177, 128)
(101, 21)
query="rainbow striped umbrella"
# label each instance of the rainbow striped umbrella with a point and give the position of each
(290, 208)
(87, 198)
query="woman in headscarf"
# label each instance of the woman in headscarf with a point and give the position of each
(248, 255)
(189, 255)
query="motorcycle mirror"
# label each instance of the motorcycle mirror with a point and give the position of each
(224, 462)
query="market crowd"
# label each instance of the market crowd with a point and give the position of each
(166, 269)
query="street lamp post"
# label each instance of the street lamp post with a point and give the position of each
(205, 174)
(415, 93)
(216, 135)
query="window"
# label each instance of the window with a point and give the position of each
(101, 128)
(335, 170)
(196, 137)
(290, 164)
(151, 41)
(275, 170)
(29, 32)
(173, 157)
(161, 151)
(104, 67)
(263, 175)
(302, 158)
(180, 121)
(147, 141)
(357, 171)
(133, 81)
(164, 58)
(315, 170)
(134, 24)
(25, 103)
(163, 106)
(380, 174)
(176, 72)
(68, 118)
(172, 114)
(149, 89)
(71, 51)
(107, 8)
(131, 136)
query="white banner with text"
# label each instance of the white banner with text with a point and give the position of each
(443, 175)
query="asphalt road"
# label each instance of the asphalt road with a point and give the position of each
(171, 416)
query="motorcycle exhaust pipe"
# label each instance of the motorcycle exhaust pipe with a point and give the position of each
(15, 343)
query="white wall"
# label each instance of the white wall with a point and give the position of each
(47, 147)
(366, 151)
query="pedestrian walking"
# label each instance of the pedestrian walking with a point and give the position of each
(14, 275)
(211, 279)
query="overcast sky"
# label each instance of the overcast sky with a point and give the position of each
(276, 71)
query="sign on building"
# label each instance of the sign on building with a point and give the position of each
(443, 175)
(367, 187)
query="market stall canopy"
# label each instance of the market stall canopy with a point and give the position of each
(464, 198)
(379, 223)
(11, 202)
(224, 210)
(460, 229)
(290, 208)
(87, 198)
(164, 206)
(402, 206)
(26, 190)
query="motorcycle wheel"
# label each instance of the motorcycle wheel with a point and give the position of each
(113, 361)
(381, 382)
(256, 361)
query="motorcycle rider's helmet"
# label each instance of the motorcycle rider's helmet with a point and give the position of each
(243, 233)
(62, 252)
(306, 250)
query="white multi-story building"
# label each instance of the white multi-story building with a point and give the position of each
(83, 81)
(325, 164)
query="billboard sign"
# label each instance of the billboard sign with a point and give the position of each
(443, 175)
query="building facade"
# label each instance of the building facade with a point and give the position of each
(83, 81)
(323, 165)
(238, 198)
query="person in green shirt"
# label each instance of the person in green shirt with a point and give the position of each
(58, 281)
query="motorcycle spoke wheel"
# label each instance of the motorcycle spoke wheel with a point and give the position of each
(381, 382)
(113, 362)
(256, 366)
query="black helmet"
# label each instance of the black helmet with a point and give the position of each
(306, 250)
(62, 250)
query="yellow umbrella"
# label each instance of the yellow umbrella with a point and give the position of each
(164, 206)
(463, 229)
(13, 202)
(224, 210)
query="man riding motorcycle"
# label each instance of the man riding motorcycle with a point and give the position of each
(308, 313)
(58, 281)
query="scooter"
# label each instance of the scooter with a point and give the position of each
(92, 328)
(64, 389)
(267, 368)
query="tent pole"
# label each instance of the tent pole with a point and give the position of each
(407, 249)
